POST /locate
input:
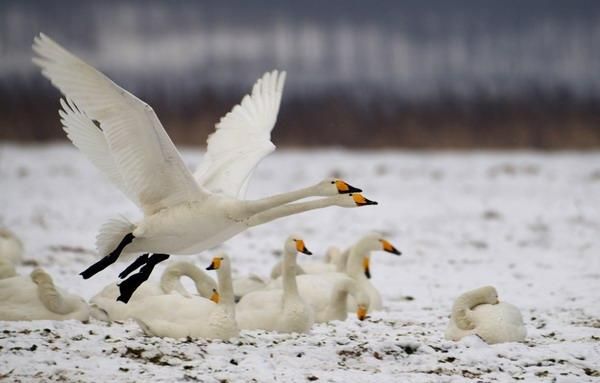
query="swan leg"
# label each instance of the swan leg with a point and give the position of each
(129, 285)
(140, 261)
(107, 260)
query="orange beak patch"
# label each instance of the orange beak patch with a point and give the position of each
(389, 247)
(361, 312)
(301, 248)
(215, 264)
(344, 188)
(360, 200)
(215, 297)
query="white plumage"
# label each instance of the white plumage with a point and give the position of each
(183, 213)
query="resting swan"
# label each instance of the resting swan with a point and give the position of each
(281, 310)
(35, 297)
(478, 312)
(11, 247)
(184, 213)
(104, 305)
(175, 316)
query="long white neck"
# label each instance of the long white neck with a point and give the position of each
(463, 305)
(50, 297)
(227, 299)
(7, 270)
(354, 267)
(290, 287)
(170, 279)
(290, 209)
(260, 205)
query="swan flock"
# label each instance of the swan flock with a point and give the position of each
(184, 213)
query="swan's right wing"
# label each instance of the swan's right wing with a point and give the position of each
(242, 139)
(150, 167)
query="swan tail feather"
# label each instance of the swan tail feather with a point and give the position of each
(112, 233)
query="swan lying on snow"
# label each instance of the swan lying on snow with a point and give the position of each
(282, 310)
(104, 305)
(183, 213)
(11, 246)
(175, 316)
(35, 297)
(478, 312)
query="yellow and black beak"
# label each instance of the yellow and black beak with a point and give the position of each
(215, 297)
(215, 264)
(389, 247)
(360, 200)
(366, 267)
(301, 248)
(345, 188)
(361, 312)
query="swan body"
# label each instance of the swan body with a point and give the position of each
(335, 261)
(327, 295)
(11, 247)
(35, 297)
(281, 310)
(245, 285)
(184, 213)
(104, 305)
(176, 316)
(478, 312)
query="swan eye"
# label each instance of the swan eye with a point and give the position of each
(350, 194)
(332, 182)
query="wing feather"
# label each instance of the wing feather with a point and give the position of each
(135, 146)
(242, 138)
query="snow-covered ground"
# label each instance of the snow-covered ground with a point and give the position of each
(527, 223)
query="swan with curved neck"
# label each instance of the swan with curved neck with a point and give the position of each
(35, 297)
(184, 213)
(356, 267)
(104, 305)
(479, 312)
(11, 247)
(282, 310)
(175, 316)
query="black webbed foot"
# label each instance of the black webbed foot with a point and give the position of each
(129, 285)
(140, 261)
(107, 260)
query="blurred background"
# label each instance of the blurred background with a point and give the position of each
(405, 74)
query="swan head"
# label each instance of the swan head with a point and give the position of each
(215, 297)
(352, 200)
(217, 262)
(375, 242)
(294, 244)
(361, 312)
(40, 276)
(334, 186)
(487, 294)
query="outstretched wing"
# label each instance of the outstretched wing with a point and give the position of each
(242, 138)
(133, 149)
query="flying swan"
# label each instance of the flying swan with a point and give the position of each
(184, 213)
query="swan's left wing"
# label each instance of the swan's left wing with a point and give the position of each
(242, 139)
